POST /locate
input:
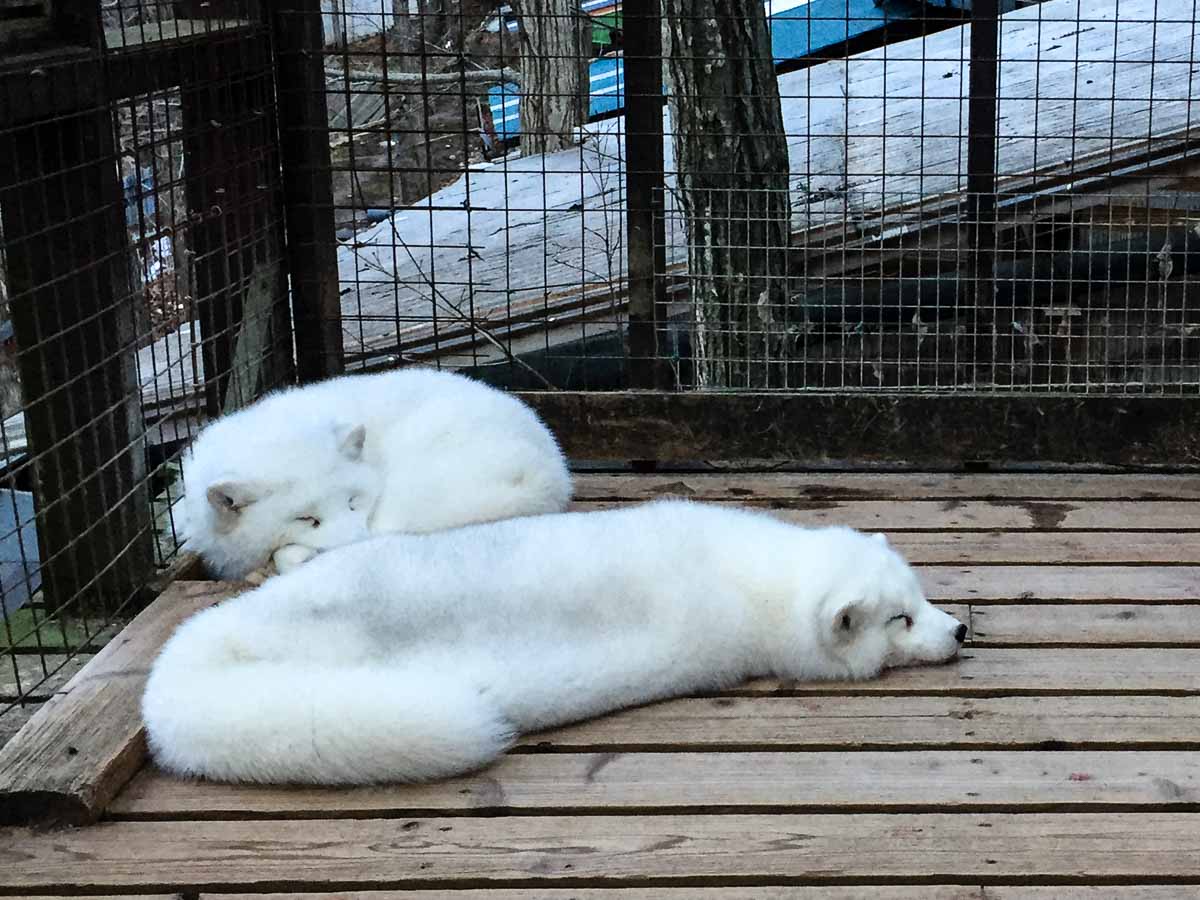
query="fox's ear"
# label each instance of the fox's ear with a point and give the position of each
(229, 498)
(846, 621)
(880, 537)
(350, 441)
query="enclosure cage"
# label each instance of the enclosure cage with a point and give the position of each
(798, 231)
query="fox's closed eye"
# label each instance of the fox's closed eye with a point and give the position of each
(311, 520)
(903, 617)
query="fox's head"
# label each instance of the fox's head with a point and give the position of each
(322, 497)
(873, 614)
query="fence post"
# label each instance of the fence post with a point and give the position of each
(644, 191)
(308, 188)
(72, 315)
(228, 146)
(981, 159)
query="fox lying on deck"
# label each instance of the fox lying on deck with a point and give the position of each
(415, 657)
(414, 450)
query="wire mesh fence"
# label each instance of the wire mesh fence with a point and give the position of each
(202, 200)
(143, 289)
(829, 194)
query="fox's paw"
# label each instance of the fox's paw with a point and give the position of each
(292, 556)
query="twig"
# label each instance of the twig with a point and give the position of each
(438, 296)
(416, 79)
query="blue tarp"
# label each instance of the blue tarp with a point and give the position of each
(20, 565)
(798, 28)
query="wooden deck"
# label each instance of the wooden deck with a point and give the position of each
(1056, 759)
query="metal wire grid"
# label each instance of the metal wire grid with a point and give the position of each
(144, 290)
(1073, 275)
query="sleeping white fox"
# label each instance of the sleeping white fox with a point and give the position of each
(413, 450)
(412, 657)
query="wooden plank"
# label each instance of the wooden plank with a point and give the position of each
(1042, 547)
(648, 851)
(865, 722)
(951, 780)
(1005, 584)
(875, 892)
(921, 892)
(1102, 623)
(83, 745)
(976, 515)
(978, 670)
(887, 486)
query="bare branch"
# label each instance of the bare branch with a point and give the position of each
(416, 79)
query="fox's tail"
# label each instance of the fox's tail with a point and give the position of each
(209, 713)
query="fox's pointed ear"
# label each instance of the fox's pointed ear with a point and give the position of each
(846, 621)
(229, 498)
(350, 441)
(880, 537)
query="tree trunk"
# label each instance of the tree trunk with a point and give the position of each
(555, 45)
(732, 159)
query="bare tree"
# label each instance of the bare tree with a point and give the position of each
(555, 51)
(732, 158)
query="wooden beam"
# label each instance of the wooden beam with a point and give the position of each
(235, 233)
(308, 192)
(85, 743)
(72, 308)
(929, 429)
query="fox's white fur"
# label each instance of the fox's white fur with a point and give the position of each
(417, 657)
(415, 450)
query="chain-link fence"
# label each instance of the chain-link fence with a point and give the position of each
(831, 194)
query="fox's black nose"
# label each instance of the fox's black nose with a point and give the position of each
(960, 633)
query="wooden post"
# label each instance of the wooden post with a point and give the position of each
(64, 228)
(981, 163)
(644, 191)
(308, 189)
(232, 191)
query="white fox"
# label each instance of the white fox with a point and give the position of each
(307, 469)
(416, 657)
